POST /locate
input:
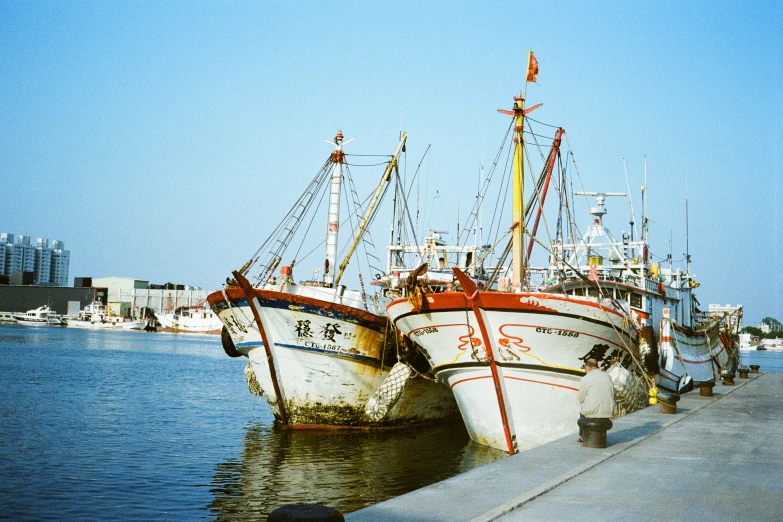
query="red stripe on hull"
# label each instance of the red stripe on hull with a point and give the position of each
(515, 379)
(502, 300)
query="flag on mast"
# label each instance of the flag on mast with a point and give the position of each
(532, 68)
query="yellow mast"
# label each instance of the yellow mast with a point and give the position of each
(517, 237)
(367, 215)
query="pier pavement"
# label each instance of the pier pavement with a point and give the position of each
(717, 458)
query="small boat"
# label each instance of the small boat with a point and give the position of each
(190, 319)
(7, 317)
(97, 315)
(320, 353)
(41, 316)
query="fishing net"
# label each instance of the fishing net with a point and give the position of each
(630, 390)
(389, 393)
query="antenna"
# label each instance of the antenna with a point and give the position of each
(630, 199)
(687, 235)
(644, 202)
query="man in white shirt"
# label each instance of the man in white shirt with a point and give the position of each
(596, 394)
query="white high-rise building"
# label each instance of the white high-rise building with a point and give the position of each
(61, 260)
(48, 260)
(22, 256)
(43, 262)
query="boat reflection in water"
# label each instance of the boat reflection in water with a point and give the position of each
(347, 470)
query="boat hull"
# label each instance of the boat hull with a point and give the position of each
(103, 325)
(174, 323)
(539, 342)
(689, 356)
(329, 360)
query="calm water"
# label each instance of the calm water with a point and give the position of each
(150, 426)
(769, 361)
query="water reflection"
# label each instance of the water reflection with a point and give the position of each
(347, 470)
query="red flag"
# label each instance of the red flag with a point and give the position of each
(532, 68)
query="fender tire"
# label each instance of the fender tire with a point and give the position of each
(228, 344)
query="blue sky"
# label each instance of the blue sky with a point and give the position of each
(159, 140)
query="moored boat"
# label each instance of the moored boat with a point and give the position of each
(190, 319)
(41, 316)
(513, 357)
(323, 354)
(97, 315)
(773, 345)
(748, 342)
(514, 354)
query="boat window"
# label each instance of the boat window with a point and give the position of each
(636, 300)
(593, 292)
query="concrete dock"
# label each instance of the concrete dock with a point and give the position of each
(717, 458)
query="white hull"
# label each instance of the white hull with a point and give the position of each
(41, 316)
(328, 360)
(772, 345)
(99, 325)
(540, 343)
(25, 322)
(202, 323)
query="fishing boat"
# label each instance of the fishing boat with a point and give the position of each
(322, 354)
(97, 315)
(513, 353)
(512, 356)
(41, 316)
(190, 319)
(773, 345)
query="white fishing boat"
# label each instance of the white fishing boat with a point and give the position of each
(772, 345)
(323, 354)
(514, 357)
(41, 316)
(97, 315)
(190, 319)
(748, 342)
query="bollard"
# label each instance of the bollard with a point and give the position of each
(754, 368)
(727, 378)
(668, 402)
(305, 512)
(743, 373)
(594, 431)
(705, 388)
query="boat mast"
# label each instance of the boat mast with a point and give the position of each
(518, 235)
(371, 207)
(550, 166)
(644, 204)
(687, 235)
(333, 223)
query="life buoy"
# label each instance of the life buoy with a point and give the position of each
(228, 344)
